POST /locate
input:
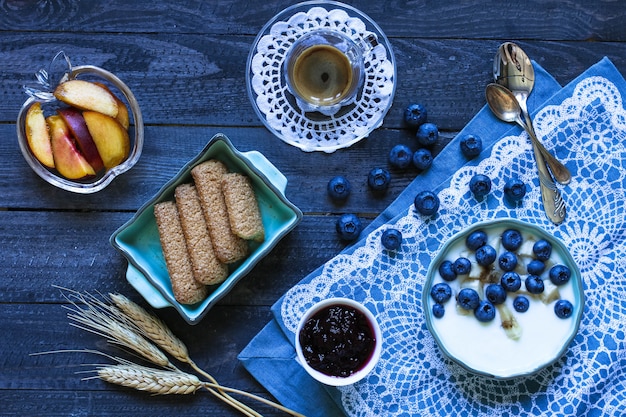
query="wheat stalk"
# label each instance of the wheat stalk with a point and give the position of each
(151, 380)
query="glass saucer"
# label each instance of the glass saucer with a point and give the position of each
(276, 106)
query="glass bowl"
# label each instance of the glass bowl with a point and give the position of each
(49, 105)
(485, 348)
(138, 239)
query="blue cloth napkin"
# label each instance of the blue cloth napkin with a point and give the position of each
(270, 356)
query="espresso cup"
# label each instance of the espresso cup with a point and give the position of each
(324, 70)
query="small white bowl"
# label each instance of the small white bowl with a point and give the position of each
(365, 369)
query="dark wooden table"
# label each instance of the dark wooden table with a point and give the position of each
(185, 62)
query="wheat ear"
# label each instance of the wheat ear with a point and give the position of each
(158, 382)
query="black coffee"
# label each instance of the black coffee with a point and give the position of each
(322, 75)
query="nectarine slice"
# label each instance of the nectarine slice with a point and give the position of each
(37, 135)
(87, 96)
(110, 137)
(122, 111)
(68, 160)
(76, 123)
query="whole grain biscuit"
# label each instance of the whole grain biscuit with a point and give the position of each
(207, 176)
(207, 269)
(243, 209)
(186, 289)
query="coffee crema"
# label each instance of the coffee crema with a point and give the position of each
(322, 75)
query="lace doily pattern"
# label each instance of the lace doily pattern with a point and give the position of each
(413, 377)
(277, 108)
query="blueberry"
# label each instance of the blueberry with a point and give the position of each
(534, 284)
(485, 311)
(349, 226)
(480, 185)
(415, 115)
(378, 179)
(471, 146)
(485, 255)
(495, 293)
(515, 189)
(468, 299)
(512, 239)
(447, 271)
(438, 310)
(507, 261)
(441, 292)
(338, 188)
(427, 134)
(391, 239)
(427, 203)
(422, 159)
(559, 274)
(536, 267)
(462, 266)
(542, 249)
(476, 239)
(400, 156)
(563, 309)
(511, 281)
(521, 304)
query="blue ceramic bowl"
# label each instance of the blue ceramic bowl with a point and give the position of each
(138, 239)
(485, 348)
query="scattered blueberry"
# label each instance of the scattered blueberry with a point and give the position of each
(471, 146)
(468, 299)
(441, 292)
(542, 249)
(415, 115)
(422, 159)
(438, 310)
(349, 226)
(515, 189)
(507, 261)
(476, 239)
(338, 188)
(511, 281)
(512, 239)
(427, 203)
(378, 179)
(462, 266)
(534, 284)
(400, 156)
(559, 274)
(563, 309)
(480, 185)
(485, 311)
(536, 267)
(427, 134)
(495, 293)
(521, 304)
(391, 239)
(447, 271)
(485, 255)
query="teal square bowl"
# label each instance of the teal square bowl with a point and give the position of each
(138, 239)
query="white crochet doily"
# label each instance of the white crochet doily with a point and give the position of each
(276, 107)
(413, 378)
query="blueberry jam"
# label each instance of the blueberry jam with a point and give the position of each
(337, 341)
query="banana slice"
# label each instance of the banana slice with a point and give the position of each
(508, 322)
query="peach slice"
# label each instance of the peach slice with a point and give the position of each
(68, 160)
(122, 110)
(76, 123)
(87, 96)
(37, 135)
(110, 137)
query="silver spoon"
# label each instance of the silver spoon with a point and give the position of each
(512, 69)
(503, 104)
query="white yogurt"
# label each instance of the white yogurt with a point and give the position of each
(485, 346)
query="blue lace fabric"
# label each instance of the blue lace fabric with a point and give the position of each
(584, 124)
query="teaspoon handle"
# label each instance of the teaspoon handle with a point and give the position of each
(553, 203)
(560, 172)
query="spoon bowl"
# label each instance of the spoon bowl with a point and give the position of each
(513, 70)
